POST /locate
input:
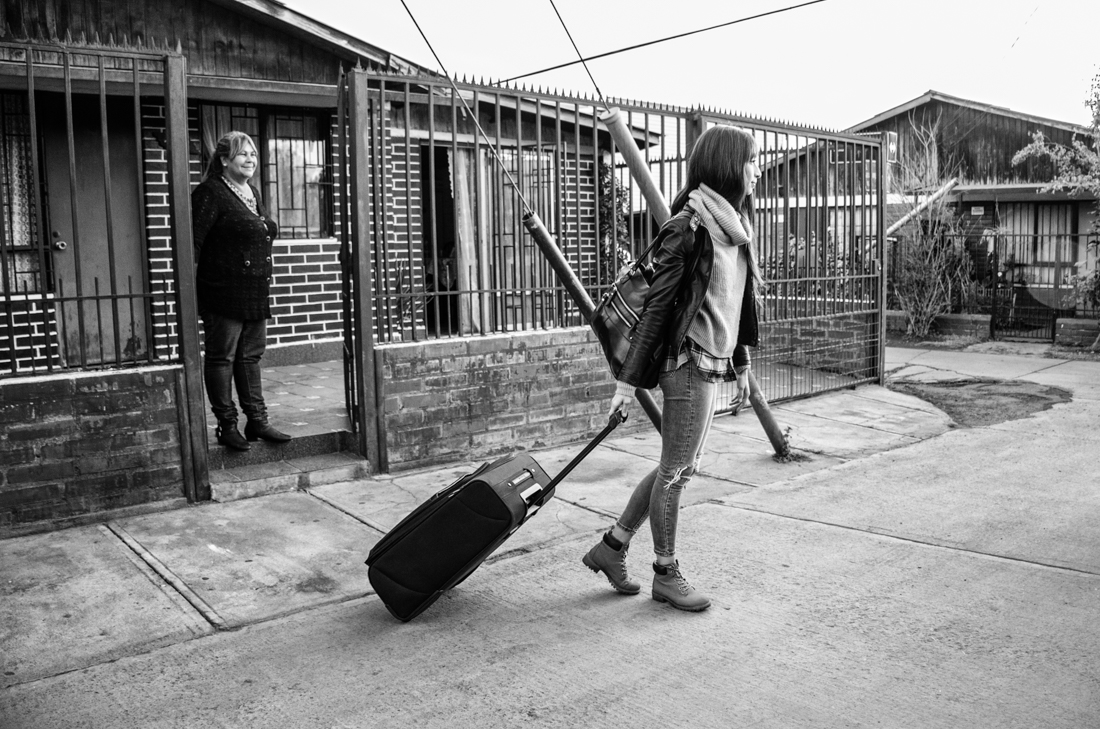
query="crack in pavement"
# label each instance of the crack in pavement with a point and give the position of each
(911, 540)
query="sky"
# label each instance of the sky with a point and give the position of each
(829, 65)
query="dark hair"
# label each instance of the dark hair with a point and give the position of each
(718, 161)
(228, 146)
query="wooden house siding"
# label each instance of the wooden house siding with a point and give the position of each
(980, 142)
(217, 41)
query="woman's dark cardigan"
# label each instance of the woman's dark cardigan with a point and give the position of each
(233, 250)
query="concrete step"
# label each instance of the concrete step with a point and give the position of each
(287, 474)
(301, 446)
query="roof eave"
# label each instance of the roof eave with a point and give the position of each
(302, 26)
(989, 108)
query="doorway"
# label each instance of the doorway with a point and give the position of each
(94, 227)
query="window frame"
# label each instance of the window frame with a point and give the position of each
(261, 118)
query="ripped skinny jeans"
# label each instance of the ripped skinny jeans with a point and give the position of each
(688, 412)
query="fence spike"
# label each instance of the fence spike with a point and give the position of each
(179, 46)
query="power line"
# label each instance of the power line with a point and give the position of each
(578, 50)
(473, 114)
(659, 40)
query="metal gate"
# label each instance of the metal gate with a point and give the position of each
(1030, 283)
(449, 256)
(88, 265)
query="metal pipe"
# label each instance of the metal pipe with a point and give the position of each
(639, 170)
(576, 291)
(661, 213)
(923, 206)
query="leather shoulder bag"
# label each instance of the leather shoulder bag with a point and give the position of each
(619, 311)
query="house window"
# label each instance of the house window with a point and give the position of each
(21, 263)
(294, 174)
(481, 273)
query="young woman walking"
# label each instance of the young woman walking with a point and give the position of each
(698, 320)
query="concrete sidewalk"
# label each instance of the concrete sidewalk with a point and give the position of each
(906, 573)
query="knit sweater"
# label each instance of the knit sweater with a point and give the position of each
(714, 328)
(233, 250)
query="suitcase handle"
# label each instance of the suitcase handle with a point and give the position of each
(535, 499)
(616, 417)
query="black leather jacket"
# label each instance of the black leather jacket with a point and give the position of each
(683, 259)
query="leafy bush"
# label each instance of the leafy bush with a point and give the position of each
(933, 273)
(614, 233)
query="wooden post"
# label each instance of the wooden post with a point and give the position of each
(192, 409)
(371, 419)
(661, 212)
(918, 209)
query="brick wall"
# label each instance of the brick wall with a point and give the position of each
(158, 227)
(1076, 332)
(80, 443)
(305, 291)
(845, 344)
(32, 330)
(475, 398)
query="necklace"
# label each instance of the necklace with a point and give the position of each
(249, 201)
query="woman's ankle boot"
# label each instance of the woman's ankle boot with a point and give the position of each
(606, 558)
(230, 437)
(257, 429)
(670, 585)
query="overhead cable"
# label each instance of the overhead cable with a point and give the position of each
(659, 40)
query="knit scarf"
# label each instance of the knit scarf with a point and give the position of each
(726, 225)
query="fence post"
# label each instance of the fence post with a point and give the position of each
(194, 441)
(996, 279)
(883, 253)
(367, 381)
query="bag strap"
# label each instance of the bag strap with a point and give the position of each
(657, 238)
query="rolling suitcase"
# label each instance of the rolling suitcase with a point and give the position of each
(447, 537)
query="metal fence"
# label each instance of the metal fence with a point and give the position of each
(452, 258)
(1025, 283)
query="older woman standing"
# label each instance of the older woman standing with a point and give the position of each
(233, 238)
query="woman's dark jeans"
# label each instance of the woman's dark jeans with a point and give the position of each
(233, 351)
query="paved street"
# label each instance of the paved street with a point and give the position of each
(908, 573)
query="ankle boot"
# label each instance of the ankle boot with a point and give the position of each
(230, 437)
(612, 562)
(670, 585)
(256, 429)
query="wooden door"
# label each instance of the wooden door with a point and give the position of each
(95, 229)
